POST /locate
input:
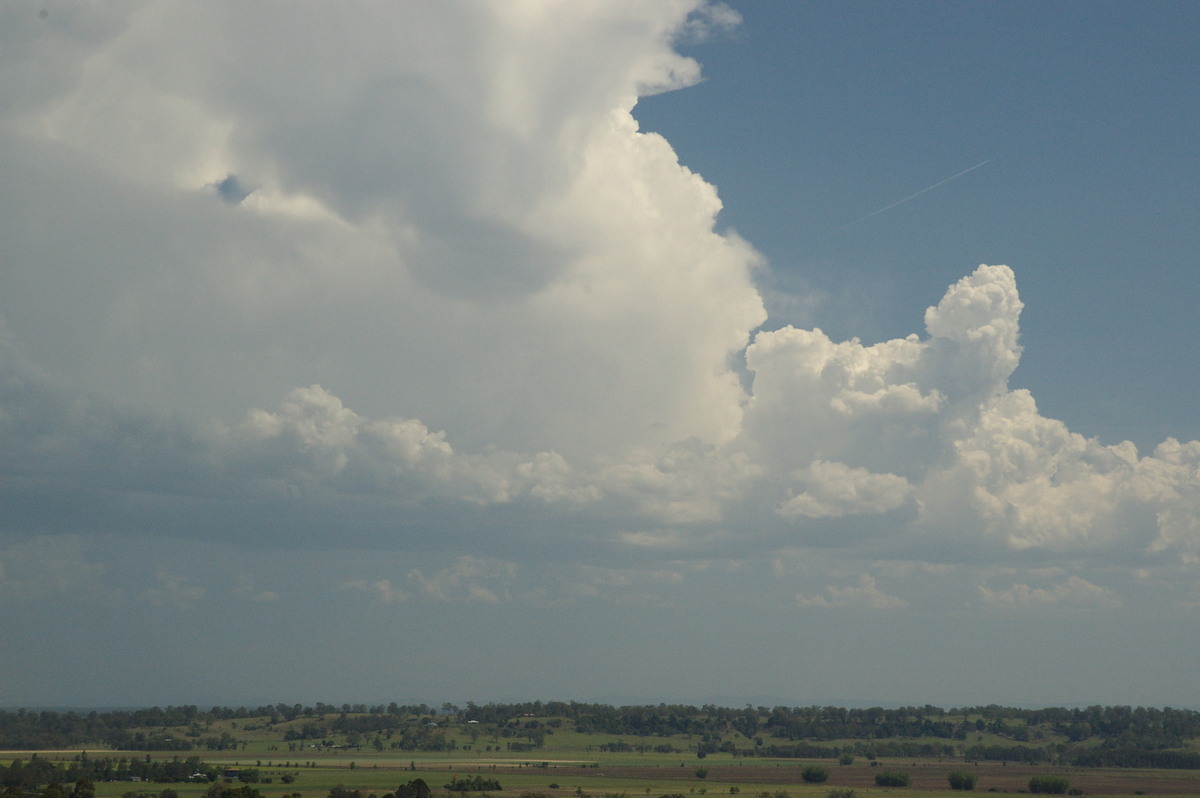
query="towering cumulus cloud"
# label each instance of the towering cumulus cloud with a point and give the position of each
(447, 211)
(414, 267)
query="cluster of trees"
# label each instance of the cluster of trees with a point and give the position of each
(398, 733)
(833, 723)
(1101, 756)
(1118, 726)
(1106, 757)
(167, 793)
(25, 730)
(381, 731)
(220, 742)
(82, 789)
(961, 780)
(892, 778)
(477, 784)
(28, 775)
(815, 774)
(221, 790)
(127, 729)
(1030, 754)
(288, 712)
(417, 788)
(1048, 783)
(622, 747)
(1122, 726)
(345, 792)
(867, 748)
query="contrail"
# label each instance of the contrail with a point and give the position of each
(909, 197)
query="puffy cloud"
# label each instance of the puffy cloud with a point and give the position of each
(1074, 590)
(835, 489)
(1029, 481)
(313, 437)
(1170, 482)
(685, 483)
(885, 407)
(974, 334)
(865, 594)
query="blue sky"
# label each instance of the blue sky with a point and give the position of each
(816, 114)
(598, 350)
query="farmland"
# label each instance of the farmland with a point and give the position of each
(577, 750)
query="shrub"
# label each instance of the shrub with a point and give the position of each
(1048, 783)
(701, 773)
(841, 792)
(846, 759)
(961, 780)
(891, 778)
(814, 774)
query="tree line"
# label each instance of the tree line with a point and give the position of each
(28, 775)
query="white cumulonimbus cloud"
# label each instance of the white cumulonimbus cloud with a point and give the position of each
(422, 261)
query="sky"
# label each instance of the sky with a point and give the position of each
(599, 350)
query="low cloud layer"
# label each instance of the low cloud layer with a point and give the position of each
(406, 280)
